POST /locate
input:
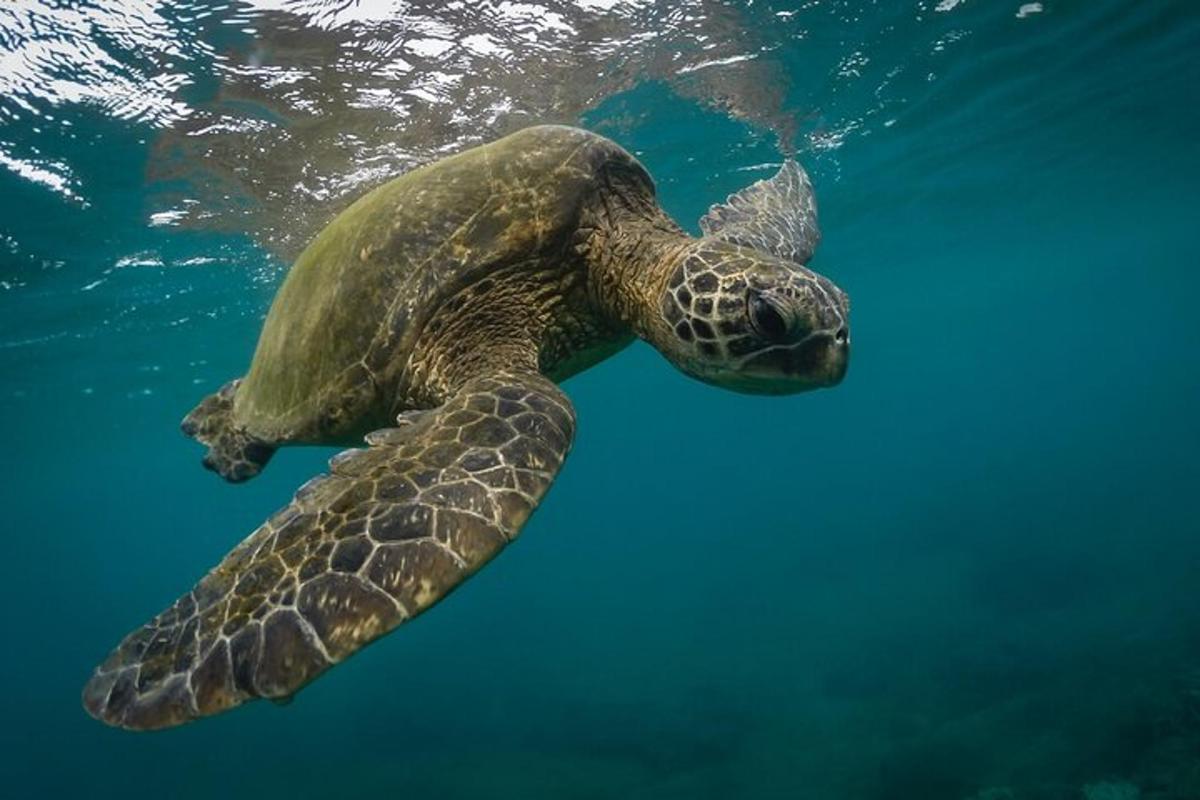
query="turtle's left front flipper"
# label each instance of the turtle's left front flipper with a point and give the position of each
(777, 216)
(390, 531)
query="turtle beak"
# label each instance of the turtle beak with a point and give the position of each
(838, 355)
(822, 359)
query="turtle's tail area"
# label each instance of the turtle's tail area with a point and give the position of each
(233, 453)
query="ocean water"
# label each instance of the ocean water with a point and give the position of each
(970, 571)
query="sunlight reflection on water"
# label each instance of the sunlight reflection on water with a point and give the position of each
(267, 110)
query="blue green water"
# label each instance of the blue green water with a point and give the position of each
(969, 571)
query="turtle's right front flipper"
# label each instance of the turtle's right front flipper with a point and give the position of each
(388, 533)
(233, 453)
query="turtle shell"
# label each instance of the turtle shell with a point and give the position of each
(350, 309)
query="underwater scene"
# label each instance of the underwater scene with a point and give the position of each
(964, 564)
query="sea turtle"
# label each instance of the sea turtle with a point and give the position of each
(435, 316)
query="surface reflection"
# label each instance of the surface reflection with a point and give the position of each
(267, 113)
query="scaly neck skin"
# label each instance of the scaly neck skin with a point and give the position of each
(628, 253)
(630, 256)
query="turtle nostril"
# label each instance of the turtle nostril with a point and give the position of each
(842, 335)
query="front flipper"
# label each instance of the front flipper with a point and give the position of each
(390, 531)
(778, 216)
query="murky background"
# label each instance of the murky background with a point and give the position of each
(970, 571)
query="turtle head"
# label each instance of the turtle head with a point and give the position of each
(751, 322)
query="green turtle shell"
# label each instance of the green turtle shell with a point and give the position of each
(343, 323)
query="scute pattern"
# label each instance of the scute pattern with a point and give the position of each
(430, 251)
(706, 303)
(777, 216)
(391, 530)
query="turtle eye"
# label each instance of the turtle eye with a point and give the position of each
(769, 320)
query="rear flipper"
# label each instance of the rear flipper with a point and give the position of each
(233, 453)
